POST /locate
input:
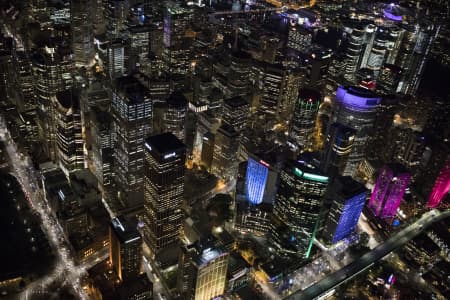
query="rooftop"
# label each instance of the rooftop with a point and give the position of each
(164, 143)
(125, 230)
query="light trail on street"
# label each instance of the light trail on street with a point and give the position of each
(65, 271)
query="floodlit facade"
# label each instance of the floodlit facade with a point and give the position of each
(389, 190)
(441, 187)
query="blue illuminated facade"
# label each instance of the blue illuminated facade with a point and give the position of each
(349, 217)
(256, 180)
(347, 198)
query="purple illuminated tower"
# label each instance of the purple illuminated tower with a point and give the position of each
(389, 189)
(441, 186)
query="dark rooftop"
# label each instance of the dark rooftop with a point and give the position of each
(125, 230)
(235, 102)
(164, 142)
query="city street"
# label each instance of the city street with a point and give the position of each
(65, 271)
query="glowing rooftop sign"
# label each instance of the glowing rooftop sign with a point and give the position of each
(148, 147)
(310, 176)
(173, 154)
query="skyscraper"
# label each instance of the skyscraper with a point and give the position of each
(388, 191)
(177, 46)
(304, 119)
(339, 143)
(299, 200)
(68, 128)
(82, 31)
(235, 112)
(175, 115)
(260, 181)
(225, 163)
(441, 186)
(202, 270)
(165, 157)
(125, 244)
(348, 199)
(132, 113)
(355, 108)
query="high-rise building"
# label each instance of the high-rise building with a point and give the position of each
(299, 199)
(116, 14)
(177, 45)
(225, 163)
(260, 181)
(202, 270)
(102, 136)
(441, 186)
(47, 73)
(348, 198)
(279, 87)
(304, 119)
(175, 115)
(132, 113)
(299, 38)
(117, 55)
(355, 108)
(235, 112)
(389, 190)
(139, 46)
(81, 22)
(339, 143)
(125, 244)
(24, 81)
(165, 157)
(68, 129)
(207, 150)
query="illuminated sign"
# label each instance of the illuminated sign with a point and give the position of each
(264, 163)
(173, 154)
(148, 147)
(132, 240)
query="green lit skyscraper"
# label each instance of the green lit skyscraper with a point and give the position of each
(299, 200)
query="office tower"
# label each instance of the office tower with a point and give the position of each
(317, 62)
(175, 115)
(260, 181)
(177, 45)
(125, 244)
(98, 17)
(207, 150)
(413, 54)
(235, 113)
(441, 186)
(132, 113)
(47, 82)
(68, 129)
(139, 46)
(117, 55)
(299, 200)
(165, 157)
(299, 38)
(24, 81)
(238, 79)
(388, 191)
(116, 14)
(278, 86)
(355, 108)
(339, 145)
(81, 22)
(6, 67)
(202, 270)
(225, 163)
(353, 52)
(406, 146)
(102, 136)
(348, 198)
(304, 119)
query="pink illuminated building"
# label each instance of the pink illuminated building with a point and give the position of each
(389, 190)
(441, 186)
